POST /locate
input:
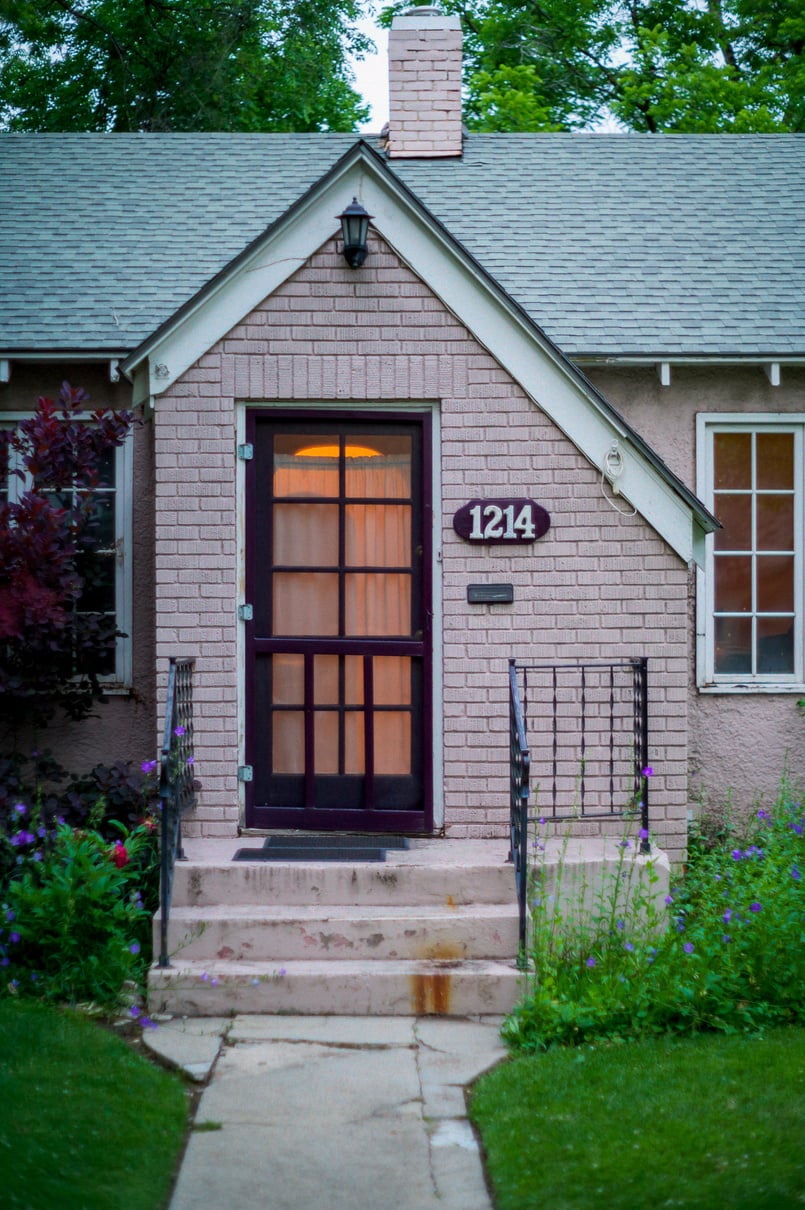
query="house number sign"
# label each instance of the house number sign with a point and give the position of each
(501, 521)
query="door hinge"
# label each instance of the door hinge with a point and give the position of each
(246, 613)
(246, 451)
(245, 773)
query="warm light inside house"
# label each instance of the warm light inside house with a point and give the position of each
(332, 451)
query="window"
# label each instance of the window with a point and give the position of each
(107, 570)
(750, 599)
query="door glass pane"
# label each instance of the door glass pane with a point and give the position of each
(392, 742)
(289, 680)
(775, 645)
(775, 583)
(392, 680)
(354, 749)
(353, 680)
(733, 583)
(325, 741)
(306, 535)
(305, 603)
(775, 460)
(735, 514)
(306, 466)
(378, 535)
(378, 605)
(733, 645)
(775, 522)
(733, 460)
(325, 680)
(288, 755)
(384, 472)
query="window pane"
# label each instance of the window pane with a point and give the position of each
(392, 742)
(306, 535)
(378, 535)
(306, 466)
(98, 574)
(775, 584)
(733, 460)
(353, 680)
(325, 680)
(392, 680)
(775, 460)
(289, 680)
(775, 645)
(102, 526)
(775, 523)
(735, 514)
(354, 750)
(378, 604)
(733, 646)
(288, 755)
(325, 741)
(305, 603)
(385, 473)
(733, 583)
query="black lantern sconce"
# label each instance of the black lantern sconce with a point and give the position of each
(354, 230)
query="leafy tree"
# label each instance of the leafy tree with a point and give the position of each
(184, 65)
(652, 65)
(50, 647)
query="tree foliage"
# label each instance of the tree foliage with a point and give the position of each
(182, 65)
(651, 65)
(51, 643)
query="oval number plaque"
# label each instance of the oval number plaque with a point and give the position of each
(501, 521)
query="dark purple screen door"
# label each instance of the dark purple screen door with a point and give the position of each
(338, 650)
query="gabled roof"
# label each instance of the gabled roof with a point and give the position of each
(466, 289)
(616, 245)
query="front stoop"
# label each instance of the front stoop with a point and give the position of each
(433, 929)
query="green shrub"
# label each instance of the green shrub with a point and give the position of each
(729, 955)
(73, 919)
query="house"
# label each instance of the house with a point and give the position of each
(605, 332)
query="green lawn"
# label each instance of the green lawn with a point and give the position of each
(85, 1123)
(706, 1122)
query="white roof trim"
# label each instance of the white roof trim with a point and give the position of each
(494, 321)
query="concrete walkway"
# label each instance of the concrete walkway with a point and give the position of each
(347, 1113)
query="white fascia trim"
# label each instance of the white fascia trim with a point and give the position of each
(496, 324)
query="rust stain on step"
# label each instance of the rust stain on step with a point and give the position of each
(431, 994)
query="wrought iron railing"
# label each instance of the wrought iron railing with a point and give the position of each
(582, 729)
(176, 782)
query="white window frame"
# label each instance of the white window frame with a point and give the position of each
(708, 681)
(120, 679)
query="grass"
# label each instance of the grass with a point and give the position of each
(85, 1122)
(701, 1122)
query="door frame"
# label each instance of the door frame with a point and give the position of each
(425, 412)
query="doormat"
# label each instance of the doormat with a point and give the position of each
(323, 847)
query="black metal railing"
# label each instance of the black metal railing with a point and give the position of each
(582, 728)
(177, 789)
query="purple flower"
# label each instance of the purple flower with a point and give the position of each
(134, 948)
(620, 925)
(10, 915)
(204, 976)
(542, 821)
(14, 938)
(282, 971)
(134, 1011)
(688, 947)
(591, 961)
(37, 855)
(648, 771)
(179, 730)
(669, 899)
(255, 982)
(755, 907)
(736, 854)
(726, 939)
(680, 924)
(148, 766)
(624, 844)
(191, 760)
(796, 828)
(21, 808)
(795, 874)
(213, 982)
(147, 1023)
(643, 833)
(727, 916)
(5, 961)
(627, 945)
(763, 815)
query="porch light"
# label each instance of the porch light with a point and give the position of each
(354, 230)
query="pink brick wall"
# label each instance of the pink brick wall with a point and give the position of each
(599, 585)
(424, 85)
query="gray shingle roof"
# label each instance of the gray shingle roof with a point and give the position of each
(615, 244)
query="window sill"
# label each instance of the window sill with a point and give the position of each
(765, 688)
(114, 689)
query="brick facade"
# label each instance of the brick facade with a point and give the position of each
(599, 585)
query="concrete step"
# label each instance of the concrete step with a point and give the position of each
(354, 987)
(403, 881)
(278, 932)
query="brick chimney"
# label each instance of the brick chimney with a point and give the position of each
(424, 84)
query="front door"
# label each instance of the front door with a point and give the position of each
(338, 649)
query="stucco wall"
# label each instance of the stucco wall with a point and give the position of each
(598, 585)
(124, 727)
(739, 743)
